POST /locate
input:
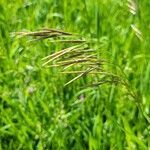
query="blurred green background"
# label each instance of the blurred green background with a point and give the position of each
(38, 112)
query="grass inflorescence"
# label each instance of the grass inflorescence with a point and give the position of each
(61, 90)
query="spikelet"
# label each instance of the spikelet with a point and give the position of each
(132, 6)
(137, 32)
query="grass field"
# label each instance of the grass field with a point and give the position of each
(38, 112)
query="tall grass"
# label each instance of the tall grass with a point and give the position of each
(38, 111)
